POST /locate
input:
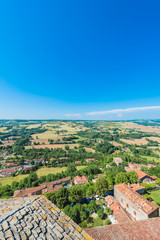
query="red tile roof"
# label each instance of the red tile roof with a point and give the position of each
(154, 177)
(8, 170)
(142, 174)
(120, 214)
(78, 180)
(90, 160)
(136, 199)
(148, 229)
(135, 187)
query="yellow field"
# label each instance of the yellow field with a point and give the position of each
(141, 141)
(89, 150)
(52, 146)
(40, 172)
(33, 126)
(3, 129)
(46, 135)
(154, 139)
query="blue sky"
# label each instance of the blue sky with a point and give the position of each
(79, 59)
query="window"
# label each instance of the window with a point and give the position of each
(134, 212)
(127, 205)
(122, 200)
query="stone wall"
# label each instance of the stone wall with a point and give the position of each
(135, 212)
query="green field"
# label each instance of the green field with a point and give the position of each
(40, 172)
(149, 158)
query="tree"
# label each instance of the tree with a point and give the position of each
(100, 213)
(121, 178)
(32, 179)
(71, 168)
(92, 206)
(75, 194)
(101, 186)
(133, 177)
(62, 197)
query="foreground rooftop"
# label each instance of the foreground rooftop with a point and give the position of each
(136, 230)
(36, 218)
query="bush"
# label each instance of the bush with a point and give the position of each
(108, 210)
(148, 186)
(107, 222)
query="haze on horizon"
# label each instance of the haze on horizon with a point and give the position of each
(79, 60)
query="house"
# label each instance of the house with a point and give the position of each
(126, 149)
(7, 172)
(42, 160)
(119, 213)
(94, 180)
(78, 180)
(10, 164)
(137, 188)
(55, 185)
(43, 188)
(118, 161)
(143, 177)
(138, 166)
(77, 161)
(90, 160)
(136, 205)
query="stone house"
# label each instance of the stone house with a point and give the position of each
(43, 188)
(118, 161)
(143, 177)
(136, 205)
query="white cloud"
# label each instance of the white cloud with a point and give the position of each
(78, 115)
(119, 115)
(119, 111)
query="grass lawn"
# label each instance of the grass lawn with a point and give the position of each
(155, 195)
(40, 172)
(150, 158)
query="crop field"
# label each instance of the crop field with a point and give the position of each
(149, 158)
(3, 129)
(154, 139)
(40, 172)
(116, 144)
(142, 128)
(46, 135)
(8, 143)
(52, 146)
(34, 126)
(141, 141)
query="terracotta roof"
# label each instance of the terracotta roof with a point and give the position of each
(137, 230)
(120, 214)
(151, 165)
(27, 191)
(59, 181)
(10, 164)
(136, 199)
(135, 187)
(154, 177)
(80, 180)
(139, 173)
(8, 170)
(142, 174)
(90, 160)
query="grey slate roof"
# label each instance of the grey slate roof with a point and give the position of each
(36, 218)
